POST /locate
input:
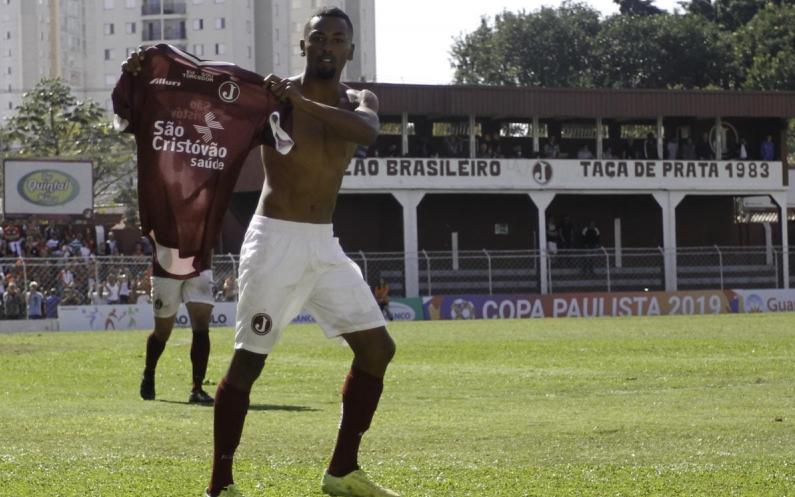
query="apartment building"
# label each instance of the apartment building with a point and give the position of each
(84, 41)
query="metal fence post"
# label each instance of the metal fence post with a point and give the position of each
(234, 272)
(775, 266)
(24, 275)
(488, 262)
(364, 263)
(607, 267)
(428, 270)
(720, 265)
(548, 263)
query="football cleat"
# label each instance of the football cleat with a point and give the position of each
(228, 491)
(199, 397)
(148, 388)
(354, 484)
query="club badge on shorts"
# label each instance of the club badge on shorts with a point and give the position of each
(261, 323)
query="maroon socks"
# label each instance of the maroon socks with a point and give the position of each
(360, 395)
(154, 349)
(231, 406)
(199, 354)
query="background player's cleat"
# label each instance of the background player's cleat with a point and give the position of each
(147, 388)
(200, 397)
(354, 484)
(228, 491)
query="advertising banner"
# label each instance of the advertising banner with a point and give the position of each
(766, 300)
(140, 316)
(581, 305)
(47, 187)
(558, 174)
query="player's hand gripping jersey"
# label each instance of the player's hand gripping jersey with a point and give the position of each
(194, 123)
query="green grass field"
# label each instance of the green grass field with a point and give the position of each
(670, 406)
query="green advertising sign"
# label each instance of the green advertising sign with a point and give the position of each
(48, 188)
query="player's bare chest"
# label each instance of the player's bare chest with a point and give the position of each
(314, 140)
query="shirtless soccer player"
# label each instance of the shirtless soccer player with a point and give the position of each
(290, 259)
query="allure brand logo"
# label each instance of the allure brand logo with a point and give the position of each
(164, 82)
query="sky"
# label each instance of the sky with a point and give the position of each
(413, 37)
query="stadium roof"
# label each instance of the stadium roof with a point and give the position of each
(525, 102)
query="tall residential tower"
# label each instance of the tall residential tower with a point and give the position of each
(84, 41)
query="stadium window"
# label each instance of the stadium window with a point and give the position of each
(220, 22)
(8, 35)
(198, 24)
(108, 28)
(198, 49)
(637, 131)
(580, 131)
(130, 28)
(8, 71)
(109, 54)
(10, 106)
(220, 49)
(109, 4)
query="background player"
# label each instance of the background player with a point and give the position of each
(291, 260)
(187, 115)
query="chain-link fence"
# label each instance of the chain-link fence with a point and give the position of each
(126, 278)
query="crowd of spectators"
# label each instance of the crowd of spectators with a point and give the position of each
(492, 145)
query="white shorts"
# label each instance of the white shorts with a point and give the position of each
(168, 293)
(286, 266)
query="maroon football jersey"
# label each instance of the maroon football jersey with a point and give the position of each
(194, 123)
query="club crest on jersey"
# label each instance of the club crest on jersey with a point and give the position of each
(158, 304)
(261, 324)
(211, 124)
(229, 91)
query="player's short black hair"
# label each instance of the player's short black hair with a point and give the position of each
(332, 12)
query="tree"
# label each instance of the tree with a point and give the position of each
(50, 122)
(637, 7)
(765, 49)
(662, 51)
(730, 15)
(550, 47)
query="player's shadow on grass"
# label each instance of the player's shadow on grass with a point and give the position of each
(253, 407)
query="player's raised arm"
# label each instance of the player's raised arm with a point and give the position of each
(360, 125)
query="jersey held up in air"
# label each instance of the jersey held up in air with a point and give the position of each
(194, 123)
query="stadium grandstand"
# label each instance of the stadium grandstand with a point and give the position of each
(486, 190)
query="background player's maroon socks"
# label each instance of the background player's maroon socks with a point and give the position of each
(154, 349)
(360, 396)
(231, 406)
(199, 354)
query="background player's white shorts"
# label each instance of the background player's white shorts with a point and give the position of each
(168, 293)
(287, 266)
